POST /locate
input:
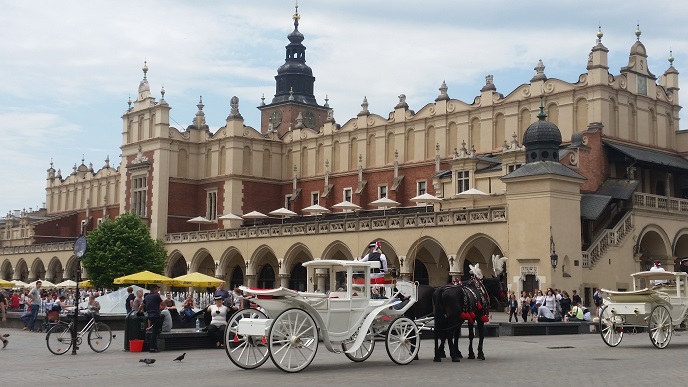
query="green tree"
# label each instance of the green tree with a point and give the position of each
(121, 247)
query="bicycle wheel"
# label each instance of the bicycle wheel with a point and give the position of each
(59, 339)
(99, 337)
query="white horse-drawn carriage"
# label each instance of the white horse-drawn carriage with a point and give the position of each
(343, 306)
(658, 302)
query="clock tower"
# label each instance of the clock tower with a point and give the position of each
(293, 91)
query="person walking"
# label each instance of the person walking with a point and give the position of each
(35, 295)
(513, 307)
(153, 304)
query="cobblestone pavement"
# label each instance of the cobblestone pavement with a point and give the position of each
(571, 360)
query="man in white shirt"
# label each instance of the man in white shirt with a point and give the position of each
(544, 314)
(657, 266)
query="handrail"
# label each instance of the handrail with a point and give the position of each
(612, 237)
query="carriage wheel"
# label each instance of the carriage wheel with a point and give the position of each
(293, 340)
(611, 332)
(403, 340)
(660, 326)
(247, 352)
(364, 351)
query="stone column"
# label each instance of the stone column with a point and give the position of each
(284, 280)
(251, 280)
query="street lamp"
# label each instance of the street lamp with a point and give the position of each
(79, 250)
(553, 257)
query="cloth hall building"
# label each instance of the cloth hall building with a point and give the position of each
(593, 171)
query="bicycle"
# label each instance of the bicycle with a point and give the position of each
(59, 337)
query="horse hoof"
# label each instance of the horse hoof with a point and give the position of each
(481, 357)
(460, 355)
(416, 358)
(456, 360)
(437, 360)
(471, 356)
(443, 355)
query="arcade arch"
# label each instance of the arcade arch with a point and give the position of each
(21, 271)
(654, 246)
(203, 262)
(55, 271)
(6, 270)
(37, 270)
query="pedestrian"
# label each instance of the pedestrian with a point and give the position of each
(565, 303)
(575, 298)
(513, 307)
(3, 304)
(153, 304)
(129, 302)
(525, 306)
(35, 295)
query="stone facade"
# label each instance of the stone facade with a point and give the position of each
(299, 155)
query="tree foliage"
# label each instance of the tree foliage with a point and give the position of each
(121, 247)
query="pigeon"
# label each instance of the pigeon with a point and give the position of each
(147, 361)
(180, 357)
(6, 335)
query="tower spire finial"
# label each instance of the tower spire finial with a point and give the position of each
(145, 68)
(637, 32)
(671, 58)
(599, 33)
(542, 115)
(296, 16)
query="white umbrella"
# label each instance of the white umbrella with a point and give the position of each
(346, 206)
(20, 284)
(384, 203)
(426, 198)
(44, 284)
(472, 192)
(66, 284)
(315, 209)
(255, 215)
(282, 213)
(230, 217)
(199, 220)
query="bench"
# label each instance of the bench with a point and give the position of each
(184, 338)
(546, 328)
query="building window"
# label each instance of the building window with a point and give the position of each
(99, 221)
(513, 167)
(211, 205)
(287, 202)
(421, 187)
(314, 198)
(139, 193)
(348, 192)
(463, 181)
(382, 191)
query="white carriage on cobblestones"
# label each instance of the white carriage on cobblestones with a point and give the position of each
(658, 303)
(340, 307)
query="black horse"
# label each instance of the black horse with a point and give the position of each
(451, 305)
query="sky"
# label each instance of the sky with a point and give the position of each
(67, 68)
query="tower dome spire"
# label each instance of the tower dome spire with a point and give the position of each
(294, 75)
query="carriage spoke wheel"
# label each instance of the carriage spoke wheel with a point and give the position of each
(610, 330)
(660, 326)
(293, 340)
(245, 351)
(403, 340)
(364, 351)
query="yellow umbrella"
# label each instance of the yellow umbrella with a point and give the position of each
(6, 284)
(143, 278)
(195, 279)
(85, 284)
